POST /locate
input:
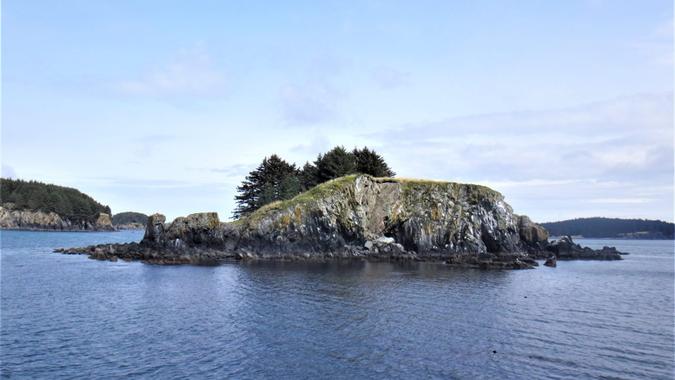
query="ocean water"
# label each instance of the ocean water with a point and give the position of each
(66, 317)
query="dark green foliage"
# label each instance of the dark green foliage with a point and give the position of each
(129, 217)
(337, 162)
(37, 196)
(275, 179)
(369, 162)
(309, 176)
(612, 228)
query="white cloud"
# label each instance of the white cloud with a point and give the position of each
(191, 73)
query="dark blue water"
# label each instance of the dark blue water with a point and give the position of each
(72, 317)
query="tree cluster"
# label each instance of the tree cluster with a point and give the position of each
(37, 196)
(129, 217)
(275, 179)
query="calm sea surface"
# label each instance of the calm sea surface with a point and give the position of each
(69, 317)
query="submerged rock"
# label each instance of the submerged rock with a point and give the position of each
(353, 217)
(552, 261)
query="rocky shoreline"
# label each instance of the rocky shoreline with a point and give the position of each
(362, 218)
(11, 219)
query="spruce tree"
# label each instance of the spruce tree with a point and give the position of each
(337, 162)
(274, 179)
(369, 162)
(309, 176)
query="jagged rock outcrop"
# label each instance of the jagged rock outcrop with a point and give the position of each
(566, 249)
(50, 221)
(352, 217)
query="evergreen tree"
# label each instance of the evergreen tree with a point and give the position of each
(274, 179)
(337, 162)
(309, 176)
(369, 162)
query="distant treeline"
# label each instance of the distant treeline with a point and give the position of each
(275, 179)
(612, 228)
(37, 196)
(129, 217)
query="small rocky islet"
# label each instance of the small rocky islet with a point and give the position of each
(360, 217)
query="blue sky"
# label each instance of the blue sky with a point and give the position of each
(565, 107)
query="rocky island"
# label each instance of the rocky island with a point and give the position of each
(359, 217)
(32, 205)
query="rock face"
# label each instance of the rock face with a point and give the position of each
(353, 217)
(50, 221)
(531, 233)
(429, 218)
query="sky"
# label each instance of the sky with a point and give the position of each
(565, 107)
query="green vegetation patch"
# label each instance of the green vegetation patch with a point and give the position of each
(37, 196)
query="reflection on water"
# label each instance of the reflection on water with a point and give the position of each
(71, 317)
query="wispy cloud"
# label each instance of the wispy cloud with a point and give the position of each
(147, 145)
(233, 172)
(621, 200)
(191, 73)
(309, 103)
(316, 97)
(388, 78)
(316, 145)
(657, 45)
(8, 171)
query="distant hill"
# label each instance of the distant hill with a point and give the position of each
(37, 205)
(37, 196)
(612, 228)
(129, 218)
